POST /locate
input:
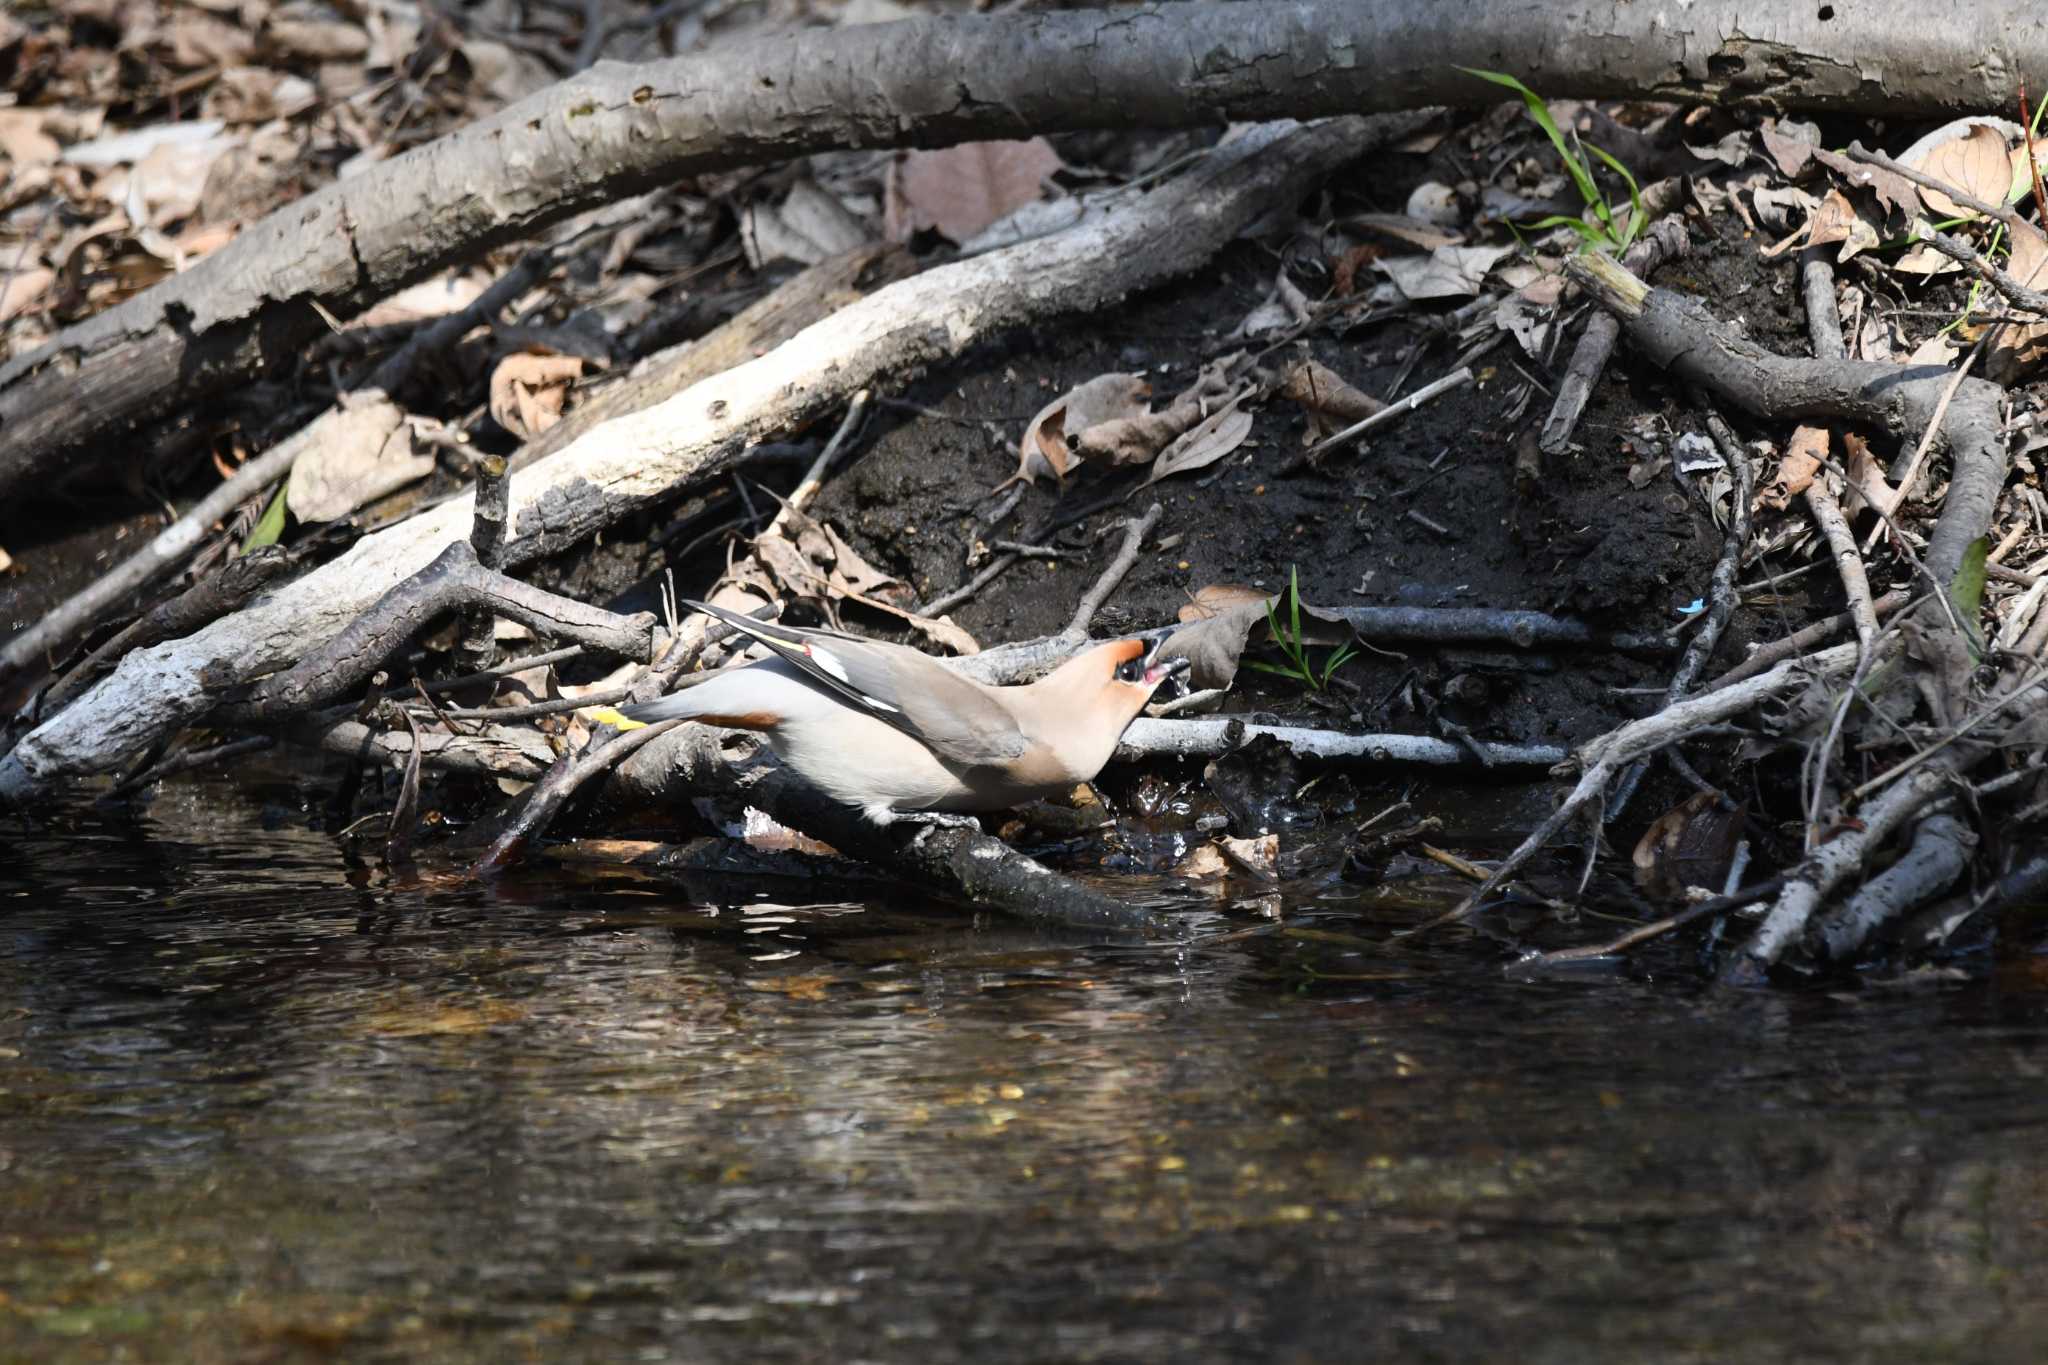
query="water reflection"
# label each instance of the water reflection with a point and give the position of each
(252, 1096)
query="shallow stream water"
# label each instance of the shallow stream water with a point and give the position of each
(259, 1102)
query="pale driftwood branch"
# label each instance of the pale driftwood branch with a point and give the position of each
(519, 752)
(626, 464)
(1149, 739)
(1135, 531)
(1940, 850)
(454, 580)
(1826, 867)
(618, 129)
(1827, 514)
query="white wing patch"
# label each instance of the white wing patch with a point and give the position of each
(822, 657)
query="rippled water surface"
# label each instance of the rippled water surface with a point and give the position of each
(260, 1103)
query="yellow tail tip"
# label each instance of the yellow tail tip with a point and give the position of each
(605, 715)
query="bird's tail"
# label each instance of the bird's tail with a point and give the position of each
(719, 697)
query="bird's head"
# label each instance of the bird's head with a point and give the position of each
(1118, 678)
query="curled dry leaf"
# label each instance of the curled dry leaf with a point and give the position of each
(1218, 598)
(1894, 192)
(1803, 456)
(1924, 259)
(1691, 844)
(1143, 436)
(1330, 401)
(1213, 644)
(2016, 350)
(1791, 145)
(22, 139)
(1045, 448)
(1867, 484)
(1217, 623)
(1448, 272)
(1259, 855)
(1416, 232)
(528, 391)
(24, 291)
(1344, 275)
(1836, 220)
(1207, 441)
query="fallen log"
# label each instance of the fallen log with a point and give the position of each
(619, 129)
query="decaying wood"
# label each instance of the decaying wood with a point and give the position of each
(1667, 240)
(619, 129)
(628, 463)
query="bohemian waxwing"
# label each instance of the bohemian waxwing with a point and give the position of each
(891, 732)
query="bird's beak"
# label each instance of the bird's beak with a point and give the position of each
(1158, 670)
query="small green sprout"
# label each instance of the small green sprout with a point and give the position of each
(1288, 638)
(1611, 234)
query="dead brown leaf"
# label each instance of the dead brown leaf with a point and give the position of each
(2019, 348)
(1217, 598)
(1045, 448)
(1802, 459)
(1330, 401)
(1894, 192)
(1788, 148)
(356, 452)
(1208, 441)
(1836, 220)
(24, 291)
(961, 190)
(852, 573)
(528, 391)
(1691, 844)
(1417, 232)
(1214, 644)
(1867, 484)
(1978, 163)
(22, 139)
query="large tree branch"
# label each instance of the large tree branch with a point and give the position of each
(620, 129)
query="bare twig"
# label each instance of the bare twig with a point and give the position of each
(1601, 758)
(1399, 408)
(1135, 531)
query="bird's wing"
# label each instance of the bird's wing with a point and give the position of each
(957, 719)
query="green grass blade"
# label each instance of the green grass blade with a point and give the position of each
(1574, 164)
(1635, 196)
(270, 525)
